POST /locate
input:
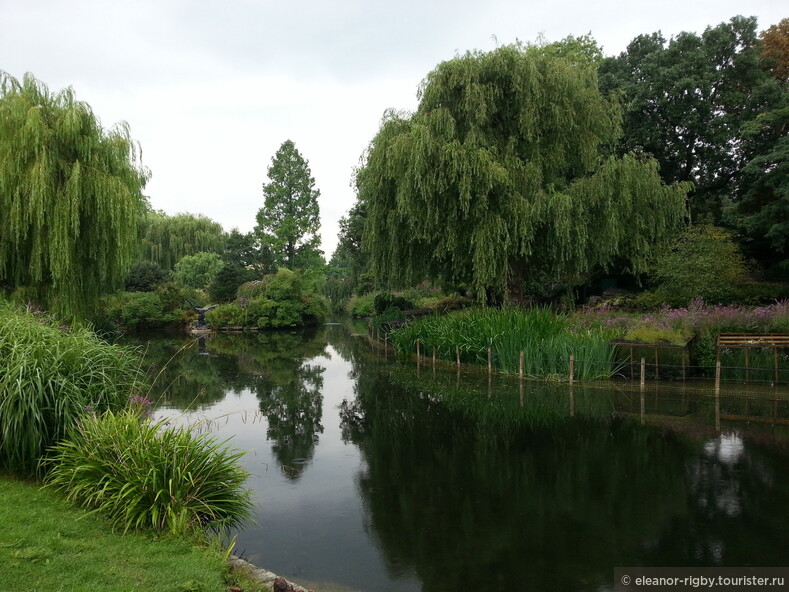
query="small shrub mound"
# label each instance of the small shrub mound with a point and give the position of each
(49, 376)
(144, 474)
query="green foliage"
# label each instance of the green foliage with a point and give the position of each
(146, 475)
(704, 262)
(140, 311)
(545, 338)
(289, 220)
(499, 176)
(284, 299)
(145, 276)
(49, 375)
(446, 303)
(71, 197)
(652, 334)
(198, 270)
(361, 306)
(386, 300)
(224, 286)
(686, 102)
(167, 239)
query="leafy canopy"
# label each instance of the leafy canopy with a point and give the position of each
(500, 175)
(70, 197)
(167, 239)
(289, 220)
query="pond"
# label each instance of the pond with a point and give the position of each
(382, 475)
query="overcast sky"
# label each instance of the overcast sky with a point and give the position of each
(211, 89)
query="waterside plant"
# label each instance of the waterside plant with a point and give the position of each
(49, 375)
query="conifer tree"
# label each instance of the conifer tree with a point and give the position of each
(289, 220)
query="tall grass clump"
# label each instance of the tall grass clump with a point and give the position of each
(147, 475)
(546, 339)
(49, 376)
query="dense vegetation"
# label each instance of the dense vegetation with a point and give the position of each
(50, 375)
(70, 197)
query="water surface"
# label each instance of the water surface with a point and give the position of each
(377, 475)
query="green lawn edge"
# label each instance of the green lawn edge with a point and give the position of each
(48, 544)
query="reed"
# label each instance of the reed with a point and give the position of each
(546, 338)
(147, 475)
(49, 376)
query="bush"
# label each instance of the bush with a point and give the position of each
(49, 376)
(139, 311)
(142, 474)
(361, 306)
(385, 300)
(704, 262)
(145, 277)
(198, 270)
(446, 303)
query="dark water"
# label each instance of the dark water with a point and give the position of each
(376, 475)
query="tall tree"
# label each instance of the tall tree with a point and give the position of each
(775, 49)
(167, 239)
(289, 220)
(499, 176)
(686, 100)
(70, 197)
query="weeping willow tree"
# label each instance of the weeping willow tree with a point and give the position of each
(501, 175)
(167, 239)
(70, 198)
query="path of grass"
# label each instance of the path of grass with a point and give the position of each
(44, 545)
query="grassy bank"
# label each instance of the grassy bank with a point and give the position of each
(46, 544)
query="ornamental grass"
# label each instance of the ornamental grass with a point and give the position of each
(49, 375)
(143, 474)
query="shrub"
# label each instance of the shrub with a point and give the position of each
(385, 300)
(140, 310)
(226, 315)
(144, 474)
(145, 276)
(361, 306)
(446, 303)
(703, 262)
(49, 376)
(198, 270)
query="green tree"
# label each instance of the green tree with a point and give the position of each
(289, 220)
(703, 262)
(70, 197)
(198, 270)
(167, 239)
(686, 101)
(500, 176)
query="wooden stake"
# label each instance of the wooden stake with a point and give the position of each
(643, 371)
(572, 367)
(490, 360)
(417, 349)
(718, 376)
(520, 366)
(457, 354)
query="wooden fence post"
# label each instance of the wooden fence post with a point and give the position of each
(718, 376)
(572, 367)
(643, 371)
(520, 366)
(490, 360)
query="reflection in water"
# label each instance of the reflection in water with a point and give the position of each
(455, 481)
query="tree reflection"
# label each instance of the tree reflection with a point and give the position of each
(288, 388)
(456, 493)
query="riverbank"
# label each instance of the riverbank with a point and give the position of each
(47, 544)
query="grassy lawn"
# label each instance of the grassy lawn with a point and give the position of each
(46, 544)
